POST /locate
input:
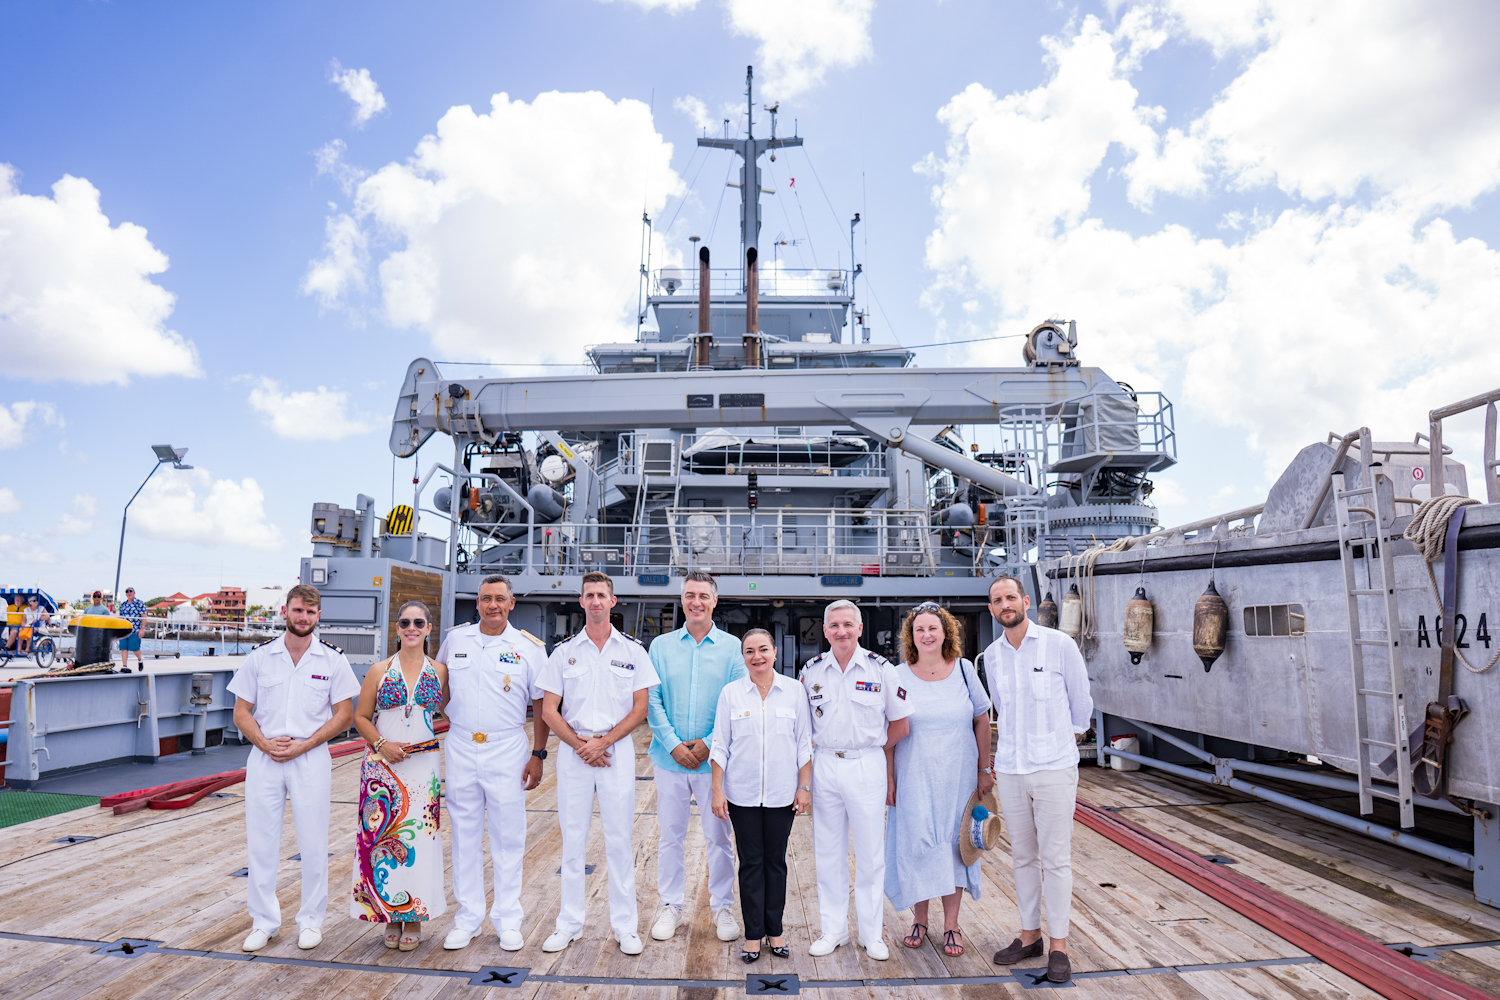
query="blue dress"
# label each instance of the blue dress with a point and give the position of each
(937, 769)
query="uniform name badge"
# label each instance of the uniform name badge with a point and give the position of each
(867, 686)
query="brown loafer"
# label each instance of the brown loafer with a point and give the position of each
(1015, 951)
(1059, 969)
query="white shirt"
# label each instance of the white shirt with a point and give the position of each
(761, 744)
(597, 686)
(492, 679)
(850, 708)
(293, 700)
(1041, 697)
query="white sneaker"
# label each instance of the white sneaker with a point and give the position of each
(512, 940)
(457, 939)
(666, 924)
(310, 938)
(257, 940)
(877, 950)
(726, 926)
(630, 944)
(558, 940)
(825, 945)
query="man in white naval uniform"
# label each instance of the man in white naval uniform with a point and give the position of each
(292, 695)
(597, 684)
(493, 674)
(858, 709)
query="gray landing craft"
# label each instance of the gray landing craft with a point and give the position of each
(758, 432)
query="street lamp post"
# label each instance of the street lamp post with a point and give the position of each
(164, 453)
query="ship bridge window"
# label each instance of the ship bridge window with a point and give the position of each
(1275, 619)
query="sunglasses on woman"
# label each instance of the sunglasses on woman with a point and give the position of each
(411, 623)
(926, 606)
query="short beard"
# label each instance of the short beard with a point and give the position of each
(1019, 617)
(301, 633)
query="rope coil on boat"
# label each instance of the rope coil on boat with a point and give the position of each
(1426, 531)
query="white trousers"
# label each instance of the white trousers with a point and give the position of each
(848, 802)
(577, 786)
(675, 793)
(306, 782)
(486, 778)
(1038, 810)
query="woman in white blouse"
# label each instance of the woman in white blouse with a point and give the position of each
(762, 764)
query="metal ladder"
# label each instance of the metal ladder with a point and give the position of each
(658, 461)
(1373, 534)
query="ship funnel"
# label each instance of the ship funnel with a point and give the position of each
(705, 340)
(752, 311)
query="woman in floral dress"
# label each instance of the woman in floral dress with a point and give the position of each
(398, 871)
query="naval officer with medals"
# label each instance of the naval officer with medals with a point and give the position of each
(858, 709)
(493, 674)
(292, 695)
(597, 688)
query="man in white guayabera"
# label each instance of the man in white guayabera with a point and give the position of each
(1040, 688)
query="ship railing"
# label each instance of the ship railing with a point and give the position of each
(773, 280)
(741, 541)
(1106, 427)
(1436, 450)
(1008, 541)
(722, 454)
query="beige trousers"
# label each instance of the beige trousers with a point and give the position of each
(1038, 810)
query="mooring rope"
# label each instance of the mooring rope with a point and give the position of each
(1427, 531)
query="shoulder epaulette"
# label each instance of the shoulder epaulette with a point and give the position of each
(880, 658)
(532, 637)
(810, 662)
(331, 646)
(260, 644)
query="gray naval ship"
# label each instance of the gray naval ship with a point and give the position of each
(1295, 650)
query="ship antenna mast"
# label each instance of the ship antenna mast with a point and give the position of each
(750, 149)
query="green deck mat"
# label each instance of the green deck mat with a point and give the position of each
(23, 807)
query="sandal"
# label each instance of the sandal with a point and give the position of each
(410, 940)
(916, 937)
(951, 946)
(393, 934)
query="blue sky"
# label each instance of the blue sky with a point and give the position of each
(1285, 245)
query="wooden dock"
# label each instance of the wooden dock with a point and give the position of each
(163, 883)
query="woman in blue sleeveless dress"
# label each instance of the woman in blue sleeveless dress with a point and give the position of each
(398, 870)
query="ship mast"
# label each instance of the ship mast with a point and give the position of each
(750, 150)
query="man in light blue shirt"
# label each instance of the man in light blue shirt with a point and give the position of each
(694, 663)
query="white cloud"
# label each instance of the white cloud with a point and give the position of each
(26, 548)
(359, 87)
(194, 507)
(1407, 98)
(320, 415)
(15, 417)
(1322, 316)
(518, 230)
(800, 40)
(330, 161)
(696, 110)
(8, 502)
(76, 299)
(343, 267)
(78, 520)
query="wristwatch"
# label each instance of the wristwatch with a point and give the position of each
(987, 770)
(804, 788)
(539, 754)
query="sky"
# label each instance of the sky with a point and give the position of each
(230, 227)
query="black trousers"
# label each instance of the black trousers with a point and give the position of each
(761, 835)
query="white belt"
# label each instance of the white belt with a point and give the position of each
(473, 736)
(846, 754)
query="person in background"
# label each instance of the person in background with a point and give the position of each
(32, 618)
(762, 780)
(98, 607)
(292, 695)
(398, 849)
(858, 708)
(694, 663)
(596, 686)
(1040, 688)
(494, 674)
(132, 611)
(934, 771)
